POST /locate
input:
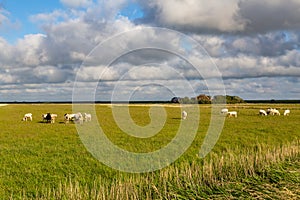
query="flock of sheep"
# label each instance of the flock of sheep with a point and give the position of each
(274, 111)
(79, 118)
(50, 117)
(270, 111)
(225, 111)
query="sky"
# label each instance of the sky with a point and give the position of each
(148, 50)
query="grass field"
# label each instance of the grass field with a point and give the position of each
(256, 157)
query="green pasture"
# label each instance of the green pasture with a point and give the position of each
(254, 155)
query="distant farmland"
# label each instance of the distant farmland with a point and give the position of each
(255, 156)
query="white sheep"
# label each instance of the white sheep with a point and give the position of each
(184, 114)
(273, 111)
(232, 114)
(27, 116)
(53, 117)
(224, 111)
(287, 112)
(87, 117)
(263, 112)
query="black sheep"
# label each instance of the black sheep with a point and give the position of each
(48, 117)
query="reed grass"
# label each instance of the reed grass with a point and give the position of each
(213, 177)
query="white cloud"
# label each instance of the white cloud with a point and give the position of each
(199, 14)
(161, 72)
(6, 24)
(265, 88)
(48, 18)
(243, 66)
(77, 3)
(30, 51)
(266, 63)
(50, 74)
(239, 16)
(291, 58)
(271, 44)
(7, 54)
(97, 73)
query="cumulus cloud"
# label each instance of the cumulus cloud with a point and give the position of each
(6, 57)
(233, 16)
(270, 15)
(265, 88)
(200, 15)
(97, 73)
(251, 45)
(30, 51)
(291, 58)
(50, 74)
(271, 44)
(243, 66)
(50, 18)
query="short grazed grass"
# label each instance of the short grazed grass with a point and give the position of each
(255, 157)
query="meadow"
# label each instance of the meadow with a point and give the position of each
(256, 157)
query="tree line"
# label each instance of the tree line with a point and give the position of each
(205, 99)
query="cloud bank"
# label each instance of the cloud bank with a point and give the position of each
(254, 44)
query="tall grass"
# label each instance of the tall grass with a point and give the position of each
(200, 179)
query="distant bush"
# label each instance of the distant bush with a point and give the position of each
(234, 99)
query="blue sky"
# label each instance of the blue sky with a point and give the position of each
(254, 45)
(20, 12)
(133, 11)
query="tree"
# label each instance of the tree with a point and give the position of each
(175, 100)
(234, 99)
(203, 99)
(229, 99)
(219, 99)
(185, 100)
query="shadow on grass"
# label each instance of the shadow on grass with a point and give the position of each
(177, 118)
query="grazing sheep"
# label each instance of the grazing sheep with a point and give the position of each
(87, 117)
(77, 118)
(49, 117)
(27, 116)
(68, 117)
(44, 117)
(273, 111)
(276, 112)
(184, 114)
(224, 111)
(232, 114)
(287, 112)
(263, 112)
(53, 117)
